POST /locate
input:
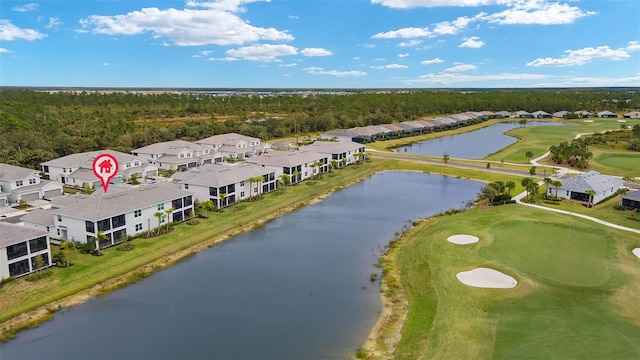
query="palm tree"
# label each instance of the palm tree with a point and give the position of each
(529, 155)
(556, 184)
(343, 162)
(334, 164)
(488, 192)
(286, 179)
(258, 180)
(318, 165)
(526, 184)
(100, 236)
(547, 181)
(591, 194)
(169, 211)
(510, 185)
(296, 177)
(159, 215)
(223, 200)
(250, 181)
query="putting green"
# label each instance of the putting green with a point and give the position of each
(630, 162)
(553, 252)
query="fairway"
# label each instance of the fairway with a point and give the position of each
(576, 296)
(616, 163)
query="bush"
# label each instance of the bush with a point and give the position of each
(87, 248)
(39, 275)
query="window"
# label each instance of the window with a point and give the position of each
(38, 244)
(186, 186)
(176, 204)
(90, 226)
(138, 227)
(45, 261)
(19, 268)
(32, 181)
(19, 183)
(213, 191)
(231, 188)
(59, 218)
(127, 165)
(242, 183)
(16, 250)
(160, 207)
(137, 213)
(104, 225)
(118, 221)
(241, 194)
(187, 201)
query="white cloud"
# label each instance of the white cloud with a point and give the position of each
(403, 55)
(406, 33)
(448, 78)
(288, 65)
(633, 46)
(390, 66)
(315, 52)
(460, 68)
(26, 7)
(336, 73)
(53, 23)
(293, 17)
(432, 61)
(407, 4)
(473, 42)
(454, 27)
(264, 52)
(582, 56)
(540, 12)
(108, 64)
(9, 32)
(410, 43)
(227, 59)
(217, 24)
(203, 53)
(224, 5)
(5, 51)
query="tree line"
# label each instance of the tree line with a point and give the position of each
(36, 126)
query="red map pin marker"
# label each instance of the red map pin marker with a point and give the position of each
(105, 167)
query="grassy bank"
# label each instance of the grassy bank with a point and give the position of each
(577, 294)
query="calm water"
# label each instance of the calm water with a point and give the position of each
(472, 145)
(298, 288)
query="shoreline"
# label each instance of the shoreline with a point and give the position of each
(32, 318)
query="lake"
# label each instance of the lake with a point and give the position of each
(299, 287)
(471, 145)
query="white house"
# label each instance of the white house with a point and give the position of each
(235, 146)
(18, 183)
(607, 114)
(209, 182)
(177, 155)
(299, 165)
(342, 152)
(20, 248)
(77, 169)
(576, 187)
(125, 213)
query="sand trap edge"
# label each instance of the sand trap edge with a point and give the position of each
(463, 239)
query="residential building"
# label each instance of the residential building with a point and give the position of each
(77, 169)
(584, 114)
(342, 152)
(235, 146)
(40, 219)
(607, 114)
(299, 165)
(523, 115)
(541, 114)
(22, 249)
(177, 155)
(503, 114)
(560, 114)
(235, 181)
(125, 213)
(632, 115)
(346, 135)
(631, 200)
(18, 183)
(576, 187)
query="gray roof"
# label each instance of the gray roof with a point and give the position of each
(39, 216)
(286, 158)
(562, 113)
(48, 184)
(334, 147)
(216, 175)
(226, 139)
(503, 113)
(606, 112)
(632, 195)
(100, 207)
(591, 180)
(13, 173)
(85, 159)
(12, 234)
(539, 112)
(341, 132)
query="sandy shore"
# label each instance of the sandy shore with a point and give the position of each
(486, 278)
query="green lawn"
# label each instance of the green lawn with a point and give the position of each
(576, 297)
(621, 163)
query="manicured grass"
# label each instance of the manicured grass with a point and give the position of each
(619, 163)
(576, 296)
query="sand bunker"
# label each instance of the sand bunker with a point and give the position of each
(622, 120)
(636, 252)
(486, 278)
(462, 239)
(588, 121)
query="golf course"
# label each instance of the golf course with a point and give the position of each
(576, 298)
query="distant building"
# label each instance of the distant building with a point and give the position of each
(541, 114)
(342, 152)
(299, 165)
(20, 249)
(502, 114)
(632, 115)
(177, 155)
(18, 183)
(235, 146)
(584, 114)
(607, 114)
(631, 200)
(523, 115)
(560, 114)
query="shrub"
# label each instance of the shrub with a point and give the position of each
(39, 275)
(87, 248)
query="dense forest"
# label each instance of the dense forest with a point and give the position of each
(37, 126)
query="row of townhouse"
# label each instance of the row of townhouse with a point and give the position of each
(182, 155)
(18, 183)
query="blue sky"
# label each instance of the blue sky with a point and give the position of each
(320, 43)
